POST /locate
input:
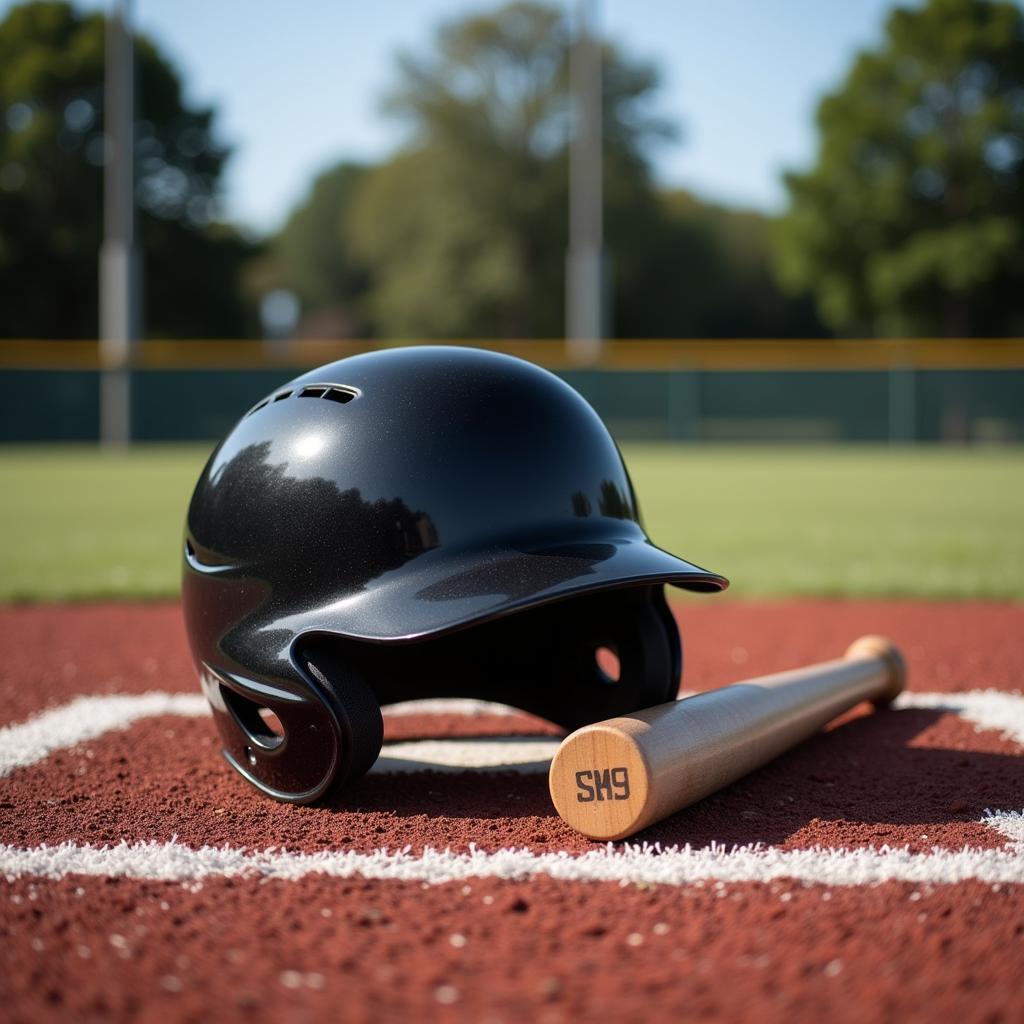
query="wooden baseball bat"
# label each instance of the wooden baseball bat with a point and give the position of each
(613, 778)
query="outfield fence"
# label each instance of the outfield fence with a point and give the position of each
(901, 391)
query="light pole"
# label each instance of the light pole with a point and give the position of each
(117, 254)
(584, 300)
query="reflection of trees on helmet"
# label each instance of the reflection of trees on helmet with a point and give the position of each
(581, 506)
(612, 502)
(615, 503)
(252, 503)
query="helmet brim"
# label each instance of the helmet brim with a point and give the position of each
(438, 593)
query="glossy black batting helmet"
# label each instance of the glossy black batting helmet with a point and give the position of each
(418, 522)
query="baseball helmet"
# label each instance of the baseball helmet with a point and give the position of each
(418, 522)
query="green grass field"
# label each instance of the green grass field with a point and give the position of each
(837, 521)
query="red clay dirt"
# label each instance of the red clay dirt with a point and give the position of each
(489, 950)
(322, 948)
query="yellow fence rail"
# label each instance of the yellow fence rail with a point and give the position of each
(619, 355)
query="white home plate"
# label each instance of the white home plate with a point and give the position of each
(512, 753)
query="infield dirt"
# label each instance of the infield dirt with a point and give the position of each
(540, 948)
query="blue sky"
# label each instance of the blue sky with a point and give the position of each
(296, 84)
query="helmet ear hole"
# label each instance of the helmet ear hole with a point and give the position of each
(609, 668)
(271, 721)
(624, 655)
(261, 726)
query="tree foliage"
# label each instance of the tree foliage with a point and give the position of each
(910, 222)
(52, 151)
(709, 274)
(464, 232)
(310, 252)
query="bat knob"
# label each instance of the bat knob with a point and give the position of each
(600, 780)
(874, 646)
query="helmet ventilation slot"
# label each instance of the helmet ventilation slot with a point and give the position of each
(332, 392)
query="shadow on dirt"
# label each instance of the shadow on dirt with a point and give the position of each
(865, 772)
(865, 775)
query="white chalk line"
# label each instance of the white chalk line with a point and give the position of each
(88, 717)
(626, 864)
(998, 710)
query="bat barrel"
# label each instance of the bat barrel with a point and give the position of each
(613, 778)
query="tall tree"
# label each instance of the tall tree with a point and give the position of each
(464, 232)
(52, 152)
(910, 223)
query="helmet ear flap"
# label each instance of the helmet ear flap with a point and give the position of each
(318, 728)
(355, 707)
(284, 738)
